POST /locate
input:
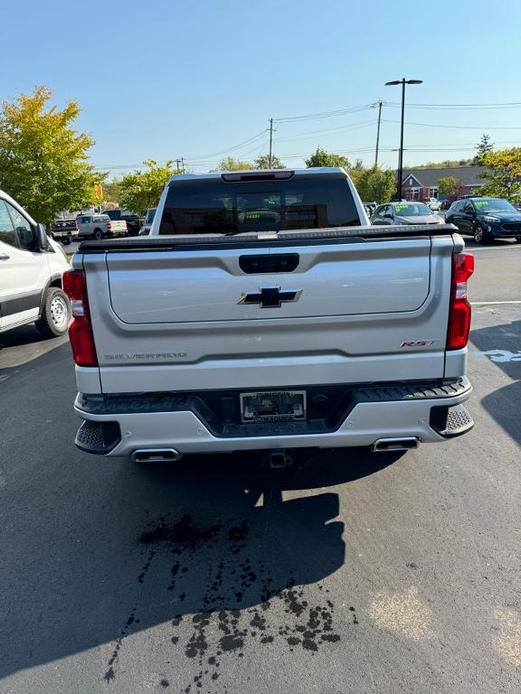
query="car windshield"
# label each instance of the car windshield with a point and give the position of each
(411, 209)
(494, 205)
(230, 207)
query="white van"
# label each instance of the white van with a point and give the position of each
(31, 269)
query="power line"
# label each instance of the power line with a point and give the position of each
(461, 127)
(462, 107)
(323, 114)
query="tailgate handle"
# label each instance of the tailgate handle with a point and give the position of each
(262, 264)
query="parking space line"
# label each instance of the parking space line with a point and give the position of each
(494, 303)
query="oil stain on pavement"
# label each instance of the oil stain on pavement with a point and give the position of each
(242, 600)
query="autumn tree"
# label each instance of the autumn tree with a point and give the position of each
(142, 189)
(44, 161)
(484, 146)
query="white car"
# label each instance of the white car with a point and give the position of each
(31, 269)
(434, 204)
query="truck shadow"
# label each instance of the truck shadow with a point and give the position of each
(210, 548)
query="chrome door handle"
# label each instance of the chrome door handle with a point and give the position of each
(4, 256)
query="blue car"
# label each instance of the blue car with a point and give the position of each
(485, 218)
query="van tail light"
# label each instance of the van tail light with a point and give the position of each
(459, 309)
(80, 329)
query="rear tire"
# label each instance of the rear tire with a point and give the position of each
(480, 235)
(98, 234)
(66, 241)
(56, 313)
(518, 239)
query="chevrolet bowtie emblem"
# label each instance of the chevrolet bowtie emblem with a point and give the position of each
(271, 297)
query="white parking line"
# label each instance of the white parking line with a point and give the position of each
(493, 303)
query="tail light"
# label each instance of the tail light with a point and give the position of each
(459, 310)
(109, 226)
(80, 330)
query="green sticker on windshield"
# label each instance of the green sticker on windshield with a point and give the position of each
(401, 206)
(481, 203)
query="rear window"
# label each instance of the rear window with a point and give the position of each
(231, 207)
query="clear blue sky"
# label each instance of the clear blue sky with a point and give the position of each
(165, 79)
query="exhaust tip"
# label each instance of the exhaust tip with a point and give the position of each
(156, 455)
(403, 444)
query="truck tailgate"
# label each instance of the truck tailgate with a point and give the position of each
(212, 318)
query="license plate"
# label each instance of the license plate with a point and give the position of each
(273, 406)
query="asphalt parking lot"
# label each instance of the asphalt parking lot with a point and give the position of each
(349, 573)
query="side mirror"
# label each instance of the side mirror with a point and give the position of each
(41, 239)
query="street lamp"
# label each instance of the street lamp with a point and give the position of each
(403, 82)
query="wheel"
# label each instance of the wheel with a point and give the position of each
(66, 241)
(480, 235)
(518, 239)
(56, 313)
(98, 234)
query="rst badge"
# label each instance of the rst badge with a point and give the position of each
(411, 344)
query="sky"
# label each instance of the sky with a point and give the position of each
(199, 79)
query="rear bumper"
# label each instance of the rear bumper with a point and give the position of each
(121, 426)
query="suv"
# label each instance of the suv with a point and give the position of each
(31, 267)
(64, 230)
(485, 218)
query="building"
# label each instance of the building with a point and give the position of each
(421, 184)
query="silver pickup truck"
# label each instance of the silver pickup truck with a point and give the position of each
(263, 312)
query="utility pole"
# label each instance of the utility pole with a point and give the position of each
(380, 104)
(399, 175)
(270, 156)
(177, 161)
(182, 163)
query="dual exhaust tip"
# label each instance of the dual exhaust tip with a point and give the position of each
(156, 455)
(406, 443)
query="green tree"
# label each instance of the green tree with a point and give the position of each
(232, 164)
(112, 192)
(142, 189)
(374, 184)
(322, 158)
(449, 186)
(43, 160)
(483, 147)
(263, 162)
(502, 173)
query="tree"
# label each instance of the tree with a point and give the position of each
(483, 147)
(502, 173)
(232, 164)
(142, 189)
(111, 192)
(374, 184)
(322, 158)
(263, 162)
(43, 159)
(450, 186)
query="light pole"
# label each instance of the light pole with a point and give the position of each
(403, 82)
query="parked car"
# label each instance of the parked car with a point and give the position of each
(133, 220)
(147, 224)
(256, 315)
(99, 226)
(31, 269)
(445, 204)
(434, 204)
(370, 207)
(485, 218)
(64, 230)
(405, 213)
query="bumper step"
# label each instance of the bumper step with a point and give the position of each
(451, 421)
(98, 437)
